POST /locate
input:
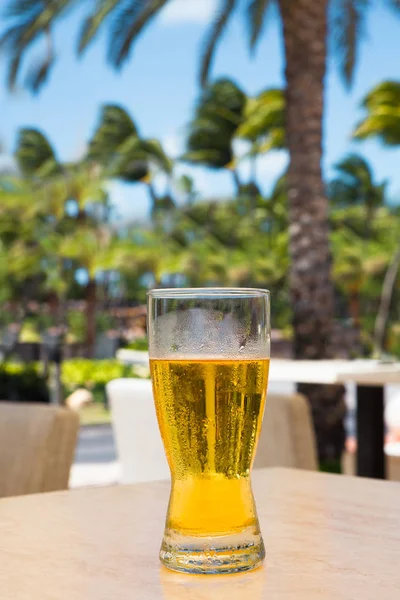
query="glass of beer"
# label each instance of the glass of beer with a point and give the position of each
(209, 357)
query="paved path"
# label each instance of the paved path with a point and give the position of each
(95, 459)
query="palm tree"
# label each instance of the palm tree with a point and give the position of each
(219, 113)
(382, 105)
(305, 28)
(123, 154)
(225, 115)
(355, 186)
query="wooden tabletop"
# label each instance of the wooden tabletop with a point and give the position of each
(327, 537)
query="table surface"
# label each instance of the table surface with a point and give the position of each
(361, 372)
(327, 537)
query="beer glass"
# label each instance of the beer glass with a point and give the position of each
(209, 358)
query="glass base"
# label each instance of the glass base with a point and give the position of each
(212, 554)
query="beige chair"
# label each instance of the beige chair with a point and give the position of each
(287, 438)
(37, 446)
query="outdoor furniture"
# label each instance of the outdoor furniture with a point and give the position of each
(139, 446)
(37, 445)
(326, 537)
(370, 376)
(287, 438)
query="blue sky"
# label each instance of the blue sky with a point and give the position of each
(159, 88)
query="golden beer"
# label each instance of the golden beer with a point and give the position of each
(210, 414)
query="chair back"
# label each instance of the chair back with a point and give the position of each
(37, 447)
(287, 437)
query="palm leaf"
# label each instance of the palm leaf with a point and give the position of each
(213, 158)
(394, 4)
(34, 153)
(386, 93)
(214, 35)
(114, 128)
(39, 71)
(128, 25)
(263, 114)
(383, 114)
(347, 29)
(94, 21)
(18, 8)
(256, 14)
(29, 21)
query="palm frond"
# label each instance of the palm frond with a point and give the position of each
(383, 114)
(128, 25)
(94, 21)
(263, 114)
(214, 35)
(114, 128)
(211, 157)
(354, 184)
(394, 4)
(13, 43)
(39, 71)
(386, 93)
(347, 29)
(18, 8)
(30, 20)
(34, 152)
(275, 140)
(256, 14)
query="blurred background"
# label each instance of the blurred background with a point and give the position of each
(167, 143)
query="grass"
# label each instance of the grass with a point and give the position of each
(94, 414)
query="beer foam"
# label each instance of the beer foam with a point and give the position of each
(203, 333)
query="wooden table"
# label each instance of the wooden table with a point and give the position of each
(327, 537)
(370, 376)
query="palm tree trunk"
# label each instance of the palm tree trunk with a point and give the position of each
(236, 182)
(253, 167)
(312, 297)
(91, 300)
(153, 196)
(386, 300)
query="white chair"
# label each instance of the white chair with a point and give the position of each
(137, 436)
(287, 438)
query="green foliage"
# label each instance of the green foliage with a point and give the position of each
(95, 374)
(393, 342)
(76, 325)
(138, 344)
(29, 333)
(22, 383)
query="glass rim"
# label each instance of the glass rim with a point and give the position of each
(208, 292)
